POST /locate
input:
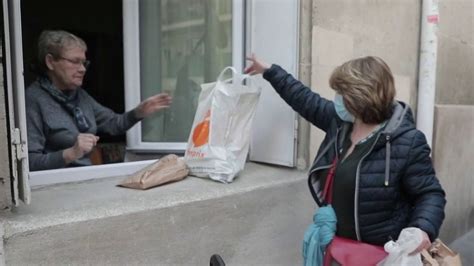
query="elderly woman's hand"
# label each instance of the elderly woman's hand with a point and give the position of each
(85, 142)
(152, 105)
(257, 66)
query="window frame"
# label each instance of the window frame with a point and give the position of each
(240, 30)
(15, 97)
(131, 30)
(131, 43)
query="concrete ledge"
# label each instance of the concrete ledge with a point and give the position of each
(260, 218)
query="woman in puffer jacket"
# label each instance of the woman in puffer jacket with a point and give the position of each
(384, 179)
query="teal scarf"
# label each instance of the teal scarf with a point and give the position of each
(318, 236)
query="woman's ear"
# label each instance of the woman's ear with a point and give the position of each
(49, 59)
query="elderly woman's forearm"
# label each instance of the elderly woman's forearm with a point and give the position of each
(41, 161)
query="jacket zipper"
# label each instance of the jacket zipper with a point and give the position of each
(356, 194)
(325, 166)
(335, 143)
(387, 160)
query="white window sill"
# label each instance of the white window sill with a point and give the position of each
(100, 198)
(63, 175)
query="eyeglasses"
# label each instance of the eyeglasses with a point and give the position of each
(77, 62)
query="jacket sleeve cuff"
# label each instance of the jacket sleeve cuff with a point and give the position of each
(132, 117)
(271, 72)
(428, 229)
(57, 159)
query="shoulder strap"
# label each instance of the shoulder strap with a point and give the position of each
(327, 192)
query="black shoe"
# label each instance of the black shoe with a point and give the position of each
(216, 260)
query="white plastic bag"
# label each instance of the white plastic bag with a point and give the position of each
(398, 252)
(220, 136)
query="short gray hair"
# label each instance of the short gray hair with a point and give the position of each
(54, 42)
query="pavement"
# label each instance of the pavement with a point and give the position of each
(465, 247)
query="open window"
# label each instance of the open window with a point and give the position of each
(142, 47)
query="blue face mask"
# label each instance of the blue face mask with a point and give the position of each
(341, 109)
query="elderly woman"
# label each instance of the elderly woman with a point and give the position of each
(378, 163)
(62, 118)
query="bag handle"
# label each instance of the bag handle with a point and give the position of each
(428, 258)
(327, 191)
(236, 76)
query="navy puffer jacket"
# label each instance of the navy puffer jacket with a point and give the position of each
(396, 186)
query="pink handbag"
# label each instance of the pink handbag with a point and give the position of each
(348, 252)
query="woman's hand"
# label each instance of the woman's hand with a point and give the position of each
(153, 104)
(257, 66)
(425, 244)
(85, 142)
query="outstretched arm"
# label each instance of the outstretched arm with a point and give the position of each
(115, 124)
(303, 100)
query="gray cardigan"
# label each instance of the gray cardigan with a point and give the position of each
(51, 129)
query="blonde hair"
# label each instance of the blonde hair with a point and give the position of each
(54, 42)
(367, 87)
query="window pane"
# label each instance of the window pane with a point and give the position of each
(183, 43)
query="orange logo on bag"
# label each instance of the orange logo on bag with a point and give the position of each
(201, 131)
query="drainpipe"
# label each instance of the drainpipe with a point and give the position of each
(304, 75)
(427, 68)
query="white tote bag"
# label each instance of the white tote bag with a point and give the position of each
(220, 136)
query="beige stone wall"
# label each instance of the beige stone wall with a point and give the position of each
(344, 29)
(455, 67)
(453, 142)
(453, 153)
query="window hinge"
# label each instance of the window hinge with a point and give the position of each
(19, 146)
